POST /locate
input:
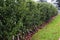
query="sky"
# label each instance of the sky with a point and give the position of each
(47, 0)
(35, 0)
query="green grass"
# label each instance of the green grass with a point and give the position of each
(50, 32)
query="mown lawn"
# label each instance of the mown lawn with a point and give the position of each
(50, 32)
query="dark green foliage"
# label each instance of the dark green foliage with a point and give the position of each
(10, 18)
(20, 17)
(47, 10)
(36, 14)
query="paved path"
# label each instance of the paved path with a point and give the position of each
(58, 11)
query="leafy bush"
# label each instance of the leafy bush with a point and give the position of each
(22, 17)
(47, 10)
(36, 14)
(10, 18)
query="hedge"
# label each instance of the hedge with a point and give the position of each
(20, 17)
(36, 15)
